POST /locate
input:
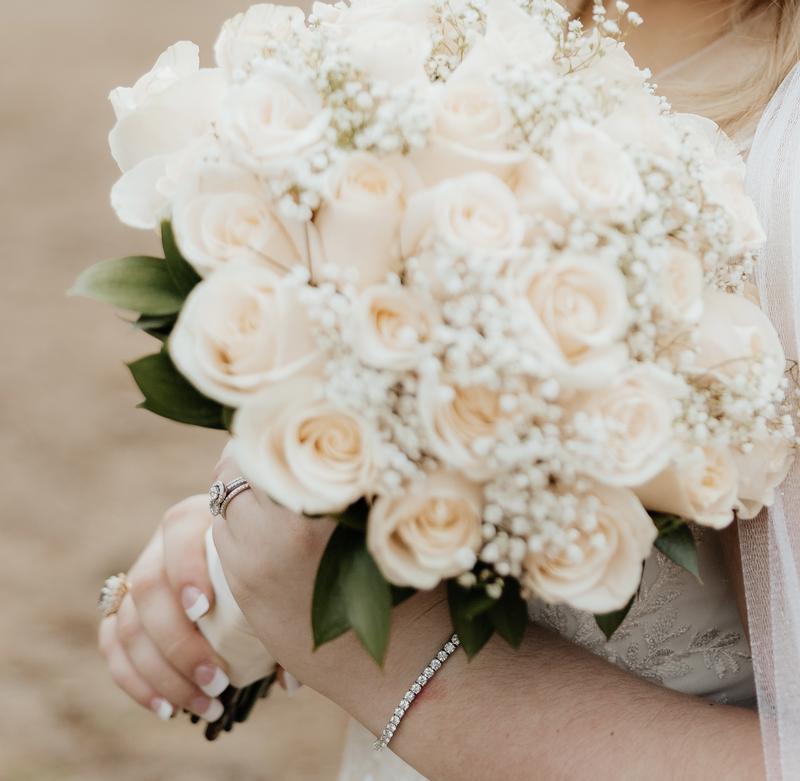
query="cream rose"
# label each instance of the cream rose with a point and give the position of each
(430, 533)
(461, 423)
(599, 566)
(513, 36)
(732, 334)
(471, 131)
(541, 196)
(682, 285)
(726, 186)
(240, 331)
(246, 36)
(477, 212)
(639, 121)
(169, 107)
(222, 215)
(273, 117)
(700, 487)
(390, 326)
(303, 451)
(390, 51)
(597, 172)
(633, 417)
(580, 313)
(360, 218)
(761, 470)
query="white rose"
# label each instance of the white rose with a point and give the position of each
(304, 452)
(682, 285)
(639, 121)
(240, 331)
(274, 117)
(142, 197)
(461, 424)
(430, 533)
(580, 314)
(360, 217)
(597, 172)
(629, 425)
(701, 487)
(732, 335)
(726, 186)
(222, 215)
(761, 471)
(471, 131)
(615, 65)
(166, 109)
(542, 198)
(600, 567)
(414, 12)
(390, 327)
(247, 36)
(475, 212)
(390, 51)
(176, 63)
(724, 177)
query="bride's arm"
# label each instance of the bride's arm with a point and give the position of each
(549, 710)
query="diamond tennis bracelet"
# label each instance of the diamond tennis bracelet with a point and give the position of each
(435, 664)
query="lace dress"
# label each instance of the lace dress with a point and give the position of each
(682, 634)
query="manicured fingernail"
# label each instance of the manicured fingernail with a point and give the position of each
(291, 684)
(210, 710)
(211, 679)
(162, 708)
(195, 602)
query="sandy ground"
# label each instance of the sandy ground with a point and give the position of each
(85, 475)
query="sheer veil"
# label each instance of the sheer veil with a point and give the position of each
(771, 546)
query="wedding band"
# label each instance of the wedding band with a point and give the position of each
(221, 495)
(113, 592)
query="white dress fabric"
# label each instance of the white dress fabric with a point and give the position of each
(682, 634)
(771, 545)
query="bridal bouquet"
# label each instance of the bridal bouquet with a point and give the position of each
(453, 275)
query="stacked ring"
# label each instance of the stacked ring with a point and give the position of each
(221, 495)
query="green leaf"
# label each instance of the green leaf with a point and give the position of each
(183, 275)
(368, 601)
(355, 516)
(169, 394)
(473, 626)
(509, 614)
(227, 417)
(610, 622)
(676, 541)
(401, 594)
(350, 592)
(139, 284)
(157, 326)
(328, 614)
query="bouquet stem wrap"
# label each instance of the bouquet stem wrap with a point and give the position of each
(226, 628)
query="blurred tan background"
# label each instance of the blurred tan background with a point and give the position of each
(85, 475)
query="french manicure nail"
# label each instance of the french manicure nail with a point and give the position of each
(195, 602)
(162, 708)
(211, 679)
(290, 683)
(209, 710)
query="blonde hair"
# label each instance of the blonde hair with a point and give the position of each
(737, 105)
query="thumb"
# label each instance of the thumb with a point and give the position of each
(184, 530)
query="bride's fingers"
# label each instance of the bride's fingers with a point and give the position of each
(124, 674)
(176, 637)
(152, 667)
(184, 528)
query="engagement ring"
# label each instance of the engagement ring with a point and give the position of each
(220, 495)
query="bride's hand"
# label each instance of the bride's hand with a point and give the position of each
(154, 651)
